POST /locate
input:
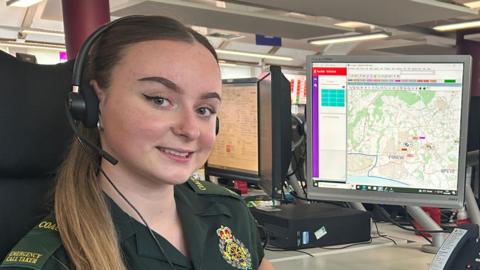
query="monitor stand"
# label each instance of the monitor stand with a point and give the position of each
(427, 224)
(424, 220)
(421, 218)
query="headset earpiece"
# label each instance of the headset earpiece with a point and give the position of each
(84, 105)
(82, 101)
(217, 126)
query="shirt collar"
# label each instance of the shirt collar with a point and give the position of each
(124, 224)
(194, 210)
(127, 227)
(188, 202)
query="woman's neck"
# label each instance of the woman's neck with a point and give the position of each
(154, 201)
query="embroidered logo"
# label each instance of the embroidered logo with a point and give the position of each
(233, 250)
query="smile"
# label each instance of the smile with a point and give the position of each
(176, 154)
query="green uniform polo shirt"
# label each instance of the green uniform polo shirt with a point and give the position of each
(219, 231)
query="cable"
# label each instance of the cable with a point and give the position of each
(302, 185)
(284, 199)
(298, 160)
(141, 217)
(340, 204)
(349, 245)
(281, 249)
(294, 194)
(380, 234)
(302, 136)
(386, 215)
(386, 237)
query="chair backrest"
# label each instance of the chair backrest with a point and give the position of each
(34, 137)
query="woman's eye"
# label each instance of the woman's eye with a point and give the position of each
(204, 111)
(159, 101)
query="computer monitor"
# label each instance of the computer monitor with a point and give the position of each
(388, 129)
(254, 143)
(235, 153)
(25, 57)
(275, 130)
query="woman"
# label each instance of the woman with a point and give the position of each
(159, 89)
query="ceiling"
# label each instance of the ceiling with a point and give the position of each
(232, 24)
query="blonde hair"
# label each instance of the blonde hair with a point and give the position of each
(83, 217)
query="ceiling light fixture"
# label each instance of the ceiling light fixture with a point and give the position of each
(472, 4)
(43, 32)
(31, 45)
(256, 55)
(22, 3)
(457, 26)
(296, 14)
(225, 64)
(352, 24)
(220, 4)
(350, 38)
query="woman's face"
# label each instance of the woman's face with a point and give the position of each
(158, 114)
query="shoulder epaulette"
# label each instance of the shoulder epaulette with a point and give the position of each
(209, 188)
(33, 251)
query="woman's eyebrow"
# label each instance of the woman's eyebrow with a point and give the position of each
(166, 82)
(211, 95)
(173, 86)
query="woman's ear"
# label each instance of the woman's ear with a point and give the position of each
(99, 92)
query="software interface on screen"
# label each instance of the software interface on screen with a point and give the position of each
(236, 146)
(386, 127)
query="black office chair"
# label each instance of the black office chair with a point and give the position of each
(34, 136)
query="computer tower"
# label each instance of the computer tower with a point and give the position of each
(298, 226)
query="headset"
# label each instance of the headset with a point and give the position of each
(82, 101)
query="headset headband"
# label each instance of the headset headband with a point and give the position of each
(82, 55)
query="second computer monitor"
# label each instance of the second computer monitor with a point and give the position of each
(275, 129)
(254, 143)
(235, 153)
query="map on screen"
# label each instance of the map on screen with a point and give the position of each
(400, 123)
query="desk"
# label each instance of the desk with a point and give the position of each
(380, 254)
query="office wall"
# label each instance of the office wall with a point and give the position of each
(239, 71)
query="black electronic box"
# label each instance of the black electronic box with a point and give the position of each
(298, 226)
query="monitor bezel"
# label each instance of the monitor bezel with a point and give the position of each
(335, 194)
(231, 173)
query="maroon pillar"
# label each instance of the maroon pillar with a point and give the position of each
(80, 19)
(471, 48)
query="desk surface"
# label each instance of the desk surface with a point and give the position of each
(380, 254)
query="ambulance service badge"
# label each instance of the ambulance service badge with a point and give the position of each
(233, 250)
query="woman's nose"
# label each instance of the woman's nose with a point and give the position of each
(187, 126)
